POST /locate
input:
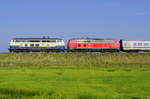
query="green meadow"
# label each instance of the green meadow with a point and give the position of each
(75, 76)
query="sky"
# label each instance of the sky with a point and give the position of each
(66, 19)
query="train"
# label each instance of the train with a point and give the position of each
(17, 45)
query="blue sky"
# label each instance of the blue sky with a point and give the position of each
(118, 19)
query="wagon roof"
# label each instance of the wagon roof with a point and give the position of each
(136, 40)
(37, 39)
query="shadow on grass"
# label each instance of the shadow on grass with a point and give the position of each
(87, 97)
(17, 93)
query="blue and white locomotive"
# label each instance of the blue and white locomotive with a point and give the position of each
(37, 45)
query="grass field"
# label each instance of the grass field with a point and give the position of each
(75, 76)
(75, 60)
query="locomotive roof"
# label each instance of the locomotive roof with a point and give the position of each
(90, 39)
(37, 39)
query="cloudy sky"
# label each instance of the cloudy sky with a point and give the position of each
(117, 19)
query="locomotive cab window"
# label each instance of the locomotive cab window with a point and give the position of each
(12, 40)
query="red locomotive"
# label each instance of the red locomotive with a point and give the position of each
(93, 45)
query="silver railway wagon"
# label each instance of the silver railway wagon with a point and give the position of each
(135, 46)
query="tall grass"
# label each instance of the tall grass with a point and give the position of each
(74, 59)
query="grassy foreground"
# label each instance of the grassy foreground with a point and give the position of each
(75, 60)
(114, 83)
(75, 76)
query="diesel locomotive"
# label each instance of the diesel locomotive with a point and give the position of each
(36, 45)
(93, 45)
